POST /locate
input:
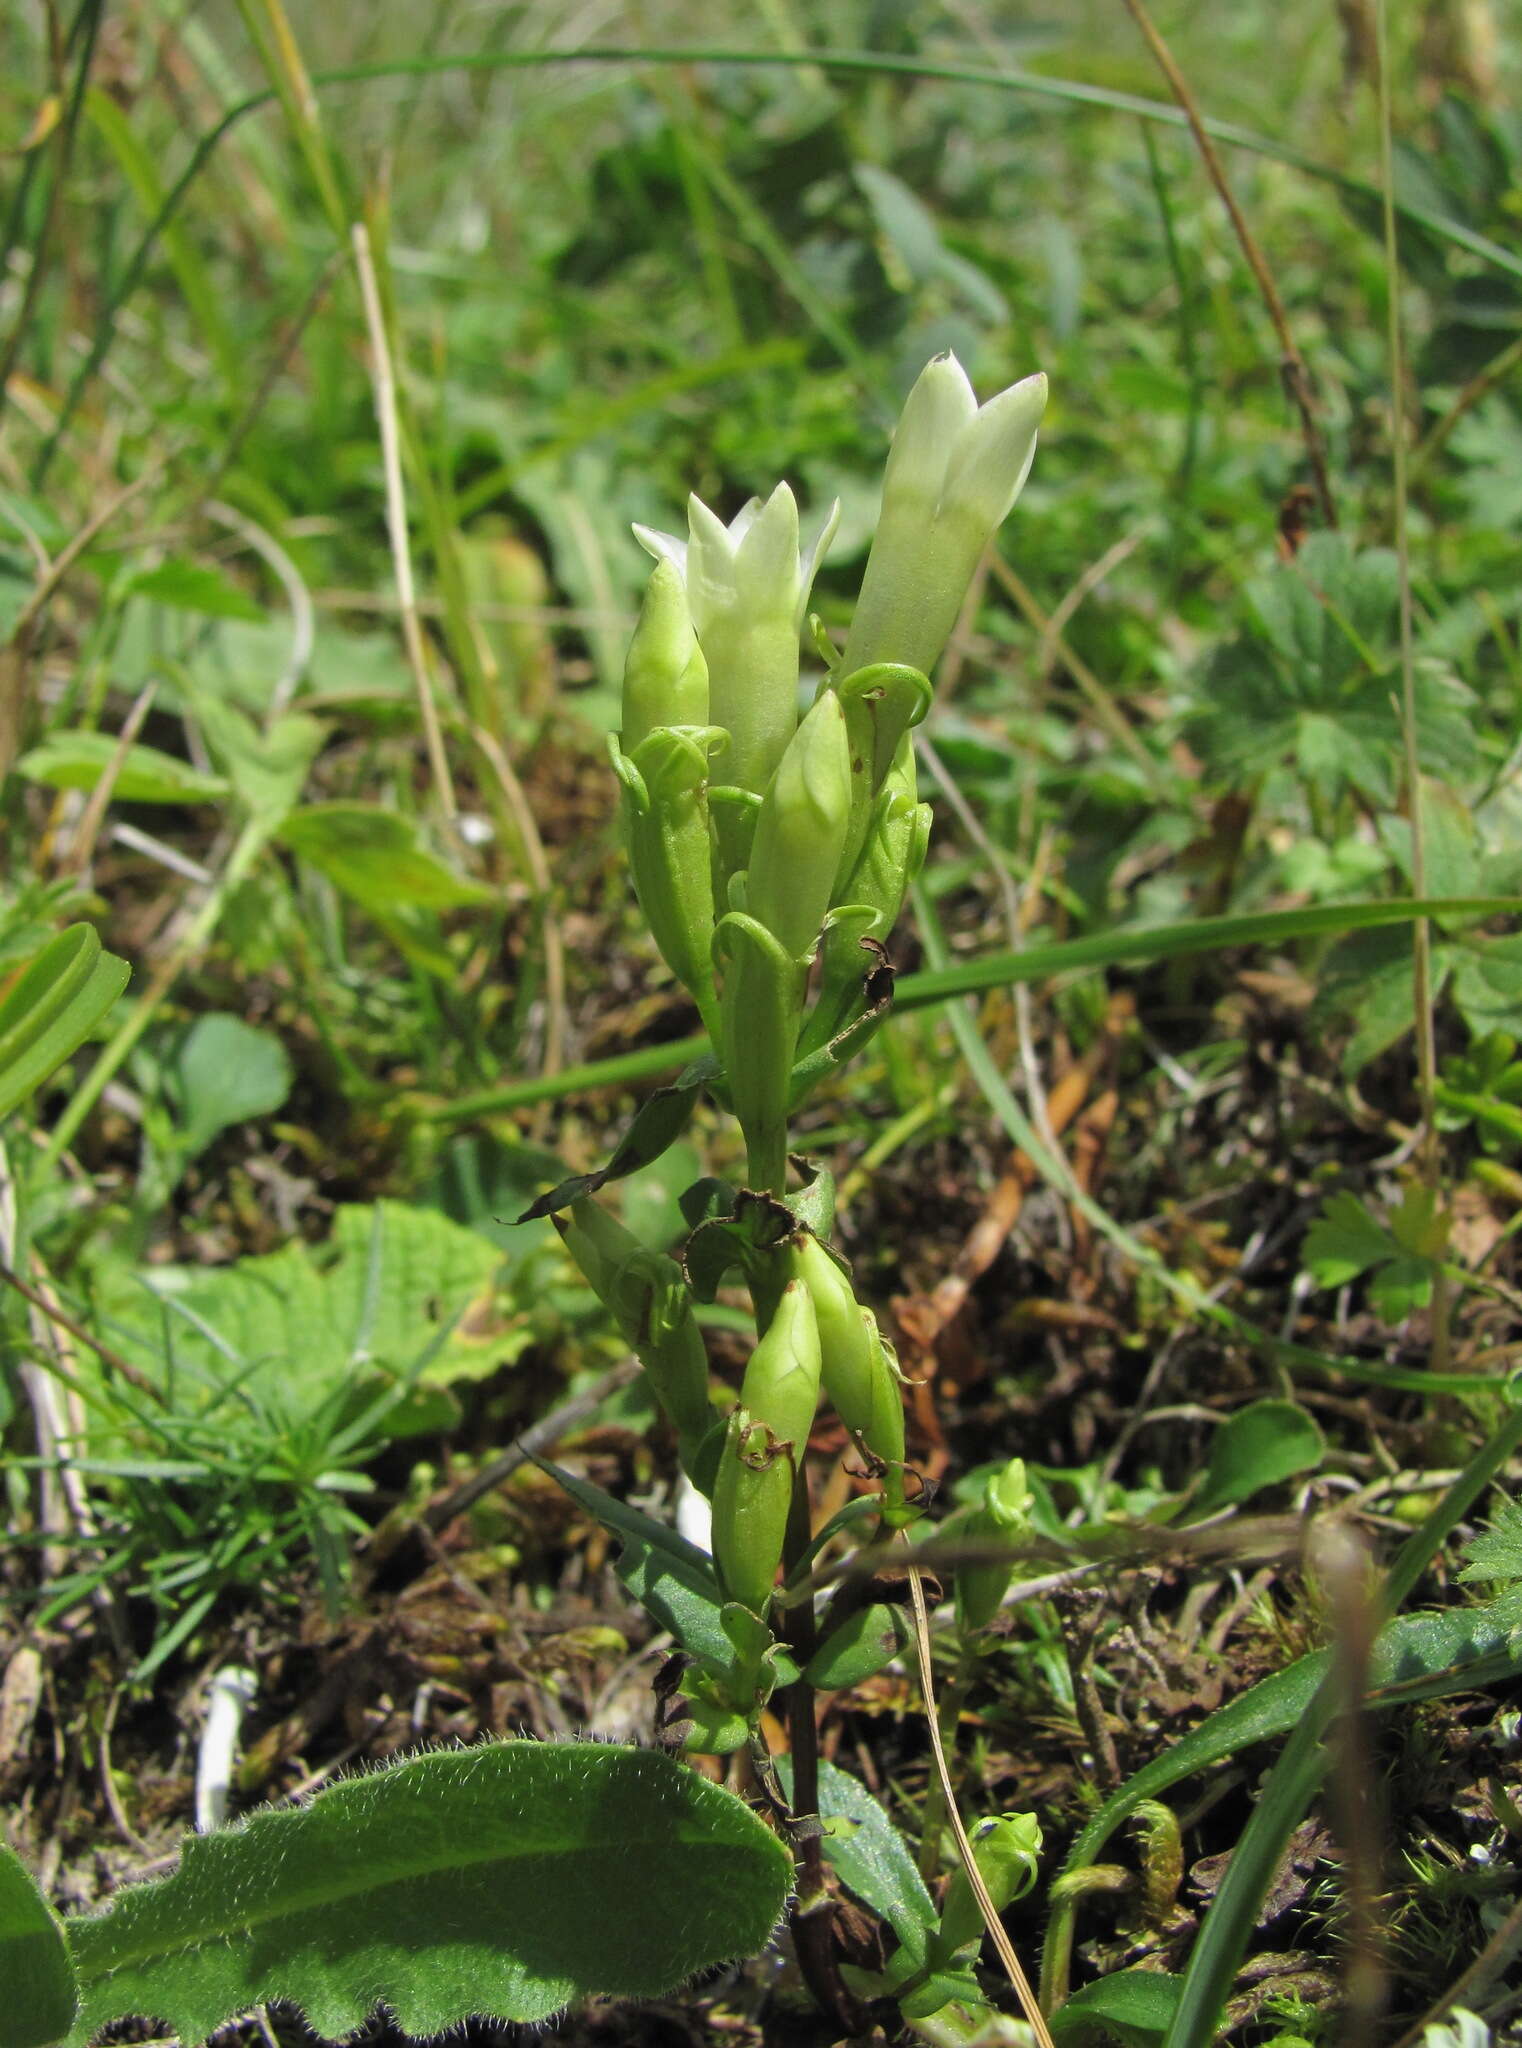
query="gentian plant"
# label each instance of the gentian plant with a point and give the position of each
(771, 844)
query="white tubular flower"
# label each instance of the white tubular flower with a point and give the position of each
(747, 590)
(953, 473)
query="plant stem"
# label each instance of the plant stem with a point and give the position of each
(813, 1919)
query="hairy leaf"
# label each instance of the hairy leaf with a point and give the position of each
(40, 1999)
(503, 1881)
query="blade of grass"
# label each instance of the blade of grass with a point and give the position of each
(1296, 377)
(83, 31)
(1429, 1146)
(197, 288)
(396, 522)
(992, 970)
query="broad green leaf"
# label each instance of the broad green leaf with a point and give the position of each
(39, 1999)
(223, 1072)
(380, 860)
(905, 223)
(670, 1577)
(392, 1286)
(1133, 2007)
(502, 1881)
(1401, 1288)
(1261, 1445)
(53, 1008)
(870, 1856)
(1487, 980)
(192, 587)
(266, 768)
(866, 1641)
(77, 760)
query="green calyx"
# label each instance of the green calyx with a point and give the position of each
(801, 829)
(666, 830)
(665, 675)
(856, 1368)
(1002, 1517)
(869, 901)
(760, 1006)
(882, 704)
(763, 1451)
(1007, 1850)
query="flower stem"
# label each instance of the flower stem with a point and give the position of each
(812, 1913)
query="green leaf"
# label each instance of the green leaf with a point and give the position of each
(266, 768)
(40, 1998)
(1399, 1289)
(1496, 1554)
(905, 223)
(866, 1640)
(378, 858)
(77, 760)
(223, 1072)
(870, 1856)
(53, 1008)
(670, 1577)
(191, 587)
(1261, 1445)
(1487, 980)
(1134, 2007)
(657, 1124)
(502, 1881)
(1344, 1241)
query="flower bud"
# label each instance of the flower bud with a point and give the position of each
(747, 588)
(1007, 1850)
(1002, 1516)
(862, 1385)
(670, 851)
(781, 1383)
(953, 474)
(763, 1451)
(665, 675)
(801, 830)
(760, 1004)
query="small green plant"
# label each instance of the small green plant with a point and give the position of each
(771, 853)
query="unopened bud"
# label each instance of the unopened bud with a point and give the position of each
(763, 1451)
(665, 675)
(801, 830)
(953, 474)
